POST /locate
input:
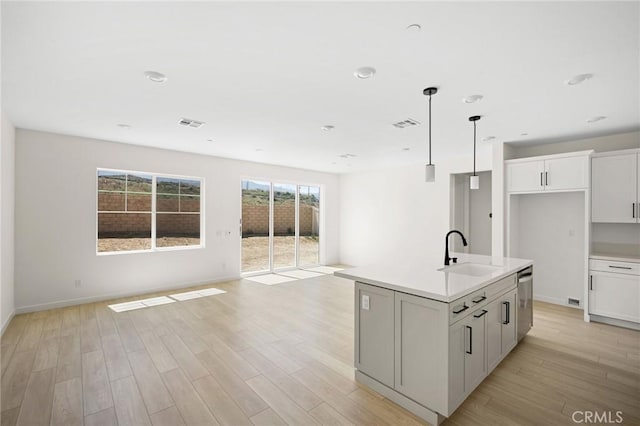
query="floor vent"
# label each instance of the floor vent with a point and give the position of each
(190, 123)
(406, 123)
(573, 302)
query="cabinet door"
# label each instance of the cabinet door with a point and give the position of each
(638, 188)
(475, 361)
(615, 295)
(508, 318)
(374, 332)
(457, 348)
(613, 188)
(494, 334)
(421, 350)
(525, 177)
(566, 173)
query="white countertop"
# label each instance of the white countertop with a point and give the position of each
(425, 280)
(615, 257)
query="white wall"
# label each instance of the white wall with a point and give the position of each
(56, 219)
(7, 215)
(550, 229)
(391, 216)
(479, 222)
(599, 144)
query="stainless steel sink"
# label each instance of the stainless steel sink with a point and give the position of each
(472, 269)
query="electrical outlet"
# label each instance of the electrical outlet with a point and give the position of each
(78, 283)
(365, 302)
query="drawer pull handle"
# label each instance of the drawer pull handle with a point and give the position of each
(507, 310)
(480, 314)
(619, 267)
(479, 299)
(464, 308)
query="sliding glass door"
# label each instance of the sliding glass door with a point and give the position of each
(284, 226)
(256, 203)
(280, 226)
(309, 229)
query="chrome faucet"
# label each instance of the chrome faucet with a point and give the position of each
(446, 247)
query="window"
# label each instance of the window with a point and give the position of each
(145, 211)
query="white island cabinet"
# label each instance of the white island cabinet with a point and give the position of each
(426, 337)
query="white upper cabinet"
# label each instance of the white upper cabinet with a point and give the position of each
(566, 173)
(549, 173)
(614, 188)
(525, 177)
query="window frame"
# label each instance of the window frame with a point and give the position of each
(153, 212)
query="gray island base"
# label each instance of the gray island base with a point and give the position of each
(426, 336)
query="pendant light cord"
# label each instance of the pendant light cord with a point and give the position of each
(474, 148)
(429, 129)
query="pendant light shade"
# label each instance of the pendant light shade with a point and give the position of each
(430, 169)
(474, 181)
(430, 173)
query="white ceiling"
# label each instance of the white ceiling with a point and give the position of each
(266, 76)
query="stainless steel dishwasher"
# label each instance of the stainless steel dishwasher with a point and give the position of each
(525, 301)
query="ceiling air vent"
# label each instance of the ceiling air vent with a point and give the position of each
(406, 123)
(190, 123)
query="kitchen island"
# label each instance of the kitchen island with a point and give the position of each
(427, 335)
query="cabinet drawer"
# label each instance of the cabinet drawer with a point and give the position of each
(615, 267)
(460, 308)
(501, 286)
(465, 305)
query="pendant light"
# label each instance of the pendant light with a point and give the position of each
(430, 169)
(474, 181)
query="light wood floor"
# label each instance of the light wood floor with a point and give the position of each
(271, 355)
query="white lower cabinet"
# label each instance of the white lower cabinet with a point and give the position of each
(615, 295)
(501, 328)
(467, 355)
(375, 326)
(418, 359)
(418, 350)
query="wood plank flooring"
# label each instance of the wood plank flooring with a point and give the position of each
(282, 354)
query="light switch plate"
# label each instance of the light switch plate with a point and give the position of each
(365, 302)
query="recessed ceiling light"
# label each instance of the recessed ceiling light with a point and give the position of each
(328, 127)
(209, 140)
(364, 72)
(524, 134)
(124, 126)
(488, 138)
(347, 156)
(155, 76)
(406, 149)
(414, 27)
(259, 150)
(594, 119)
(471, 99)
(578, 79)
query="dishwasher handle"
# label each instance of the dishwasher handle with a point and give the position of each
(523, 278)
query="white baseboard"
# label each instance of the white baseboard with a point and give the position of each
(556, 301)
(6, 323)
(109, 296)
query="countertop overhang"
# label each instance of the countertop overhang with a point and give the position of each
(426, 280)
